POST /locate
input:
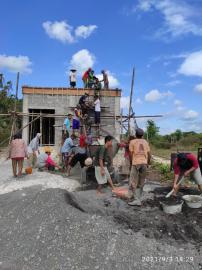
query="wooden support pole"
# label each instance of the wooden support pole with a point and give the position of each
(21, 129)
(15, 105)
(121, 123)
(130, 104)
(41, 128)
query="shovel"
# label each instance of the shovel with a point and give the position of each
(171, 192)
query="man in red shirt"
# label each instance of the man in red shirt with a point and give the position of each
(85, 77)
(184, 165)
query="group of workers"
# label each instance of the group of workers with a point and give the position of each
(81, 113)
(19, 151)
(73, 151)
(89, 79)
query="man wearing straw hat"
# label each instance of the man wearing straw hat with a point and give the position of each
(45, 160)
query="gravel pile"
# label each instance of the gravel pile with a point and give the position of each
(55, 229)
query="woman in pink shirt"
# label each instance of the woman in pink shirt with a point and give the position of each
(17, 152)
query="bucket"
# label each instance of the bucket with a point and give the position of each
(193, 201)
(28, 170)
(172, 206)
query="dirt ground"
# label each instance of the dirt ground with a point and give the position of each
(51, 222)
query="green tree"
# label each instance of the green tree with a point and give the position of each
(178, 134)
(152, 129)
(7, 104)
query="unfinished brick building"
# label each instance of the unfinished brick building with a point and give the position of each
(54, 103)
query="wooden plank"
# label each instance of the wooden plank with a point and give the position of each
(69, 91)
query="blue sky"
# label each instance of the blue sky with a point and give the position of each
(161, 38)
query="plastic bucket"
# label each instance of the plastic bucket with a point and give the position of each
(28, 170)
(172, 209)
(193, 201)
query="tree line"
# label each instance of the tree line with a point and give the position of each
(176, 139)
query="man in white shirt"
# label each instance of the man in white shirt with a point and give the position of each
(72, 78)
(97, 110)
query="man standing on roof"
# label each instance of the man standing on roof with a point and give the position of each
(91, 79)
(186, 164)
(72, 78)
(85, 77)
(140, 153)
(105, 79)
(67, 125)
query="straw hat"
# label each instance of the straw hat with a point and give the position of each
(47, 149)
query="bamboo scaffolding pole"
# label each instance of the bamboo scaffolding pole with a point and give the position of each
(124, 117)
(20, 129)
(131, 97)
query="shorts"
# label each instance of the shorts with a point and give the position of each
(97, 117)
(75, 124)
(65, 134)
(18, 158)
(73, 84)
(78, 158)
(65, 157)
(102, 179)
(196, 176)
(137, 176)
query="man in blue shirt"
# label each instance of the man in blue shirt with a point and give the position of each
(67, 125)
(67, 148)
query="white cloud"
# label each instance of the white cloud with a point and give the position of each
(145, 5)
(85, 31)
(190, 115)
(125, 101)
(173, 83)
(138, 101)
(82, 60)
(179, 17)
(198, 88)
(63, 32)
(155, 95)
(59, 30)
(180, 108)
(195, 126)
(113, 81)
(177, 102)
(19, 63)
(192, 65)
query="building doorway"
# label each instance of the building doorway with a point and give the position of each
(43, 125)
